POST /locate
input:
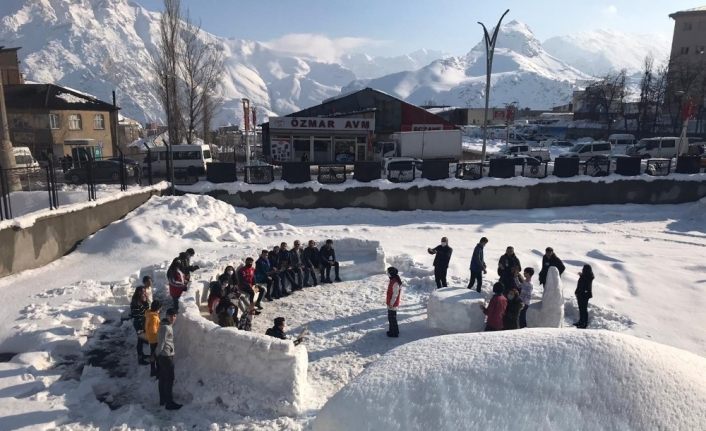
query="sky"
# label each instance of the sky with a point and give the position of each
(394, 27)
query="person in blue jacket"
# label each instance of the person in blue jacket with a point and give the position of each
(265, 276)
(478, 267)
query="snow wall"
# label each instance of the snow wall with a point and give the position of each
(246, 371)
(548, 379)
(454, 310)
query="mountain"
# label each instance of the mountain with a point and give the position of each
(601, 51)
(101, 45)
(365, 66)
(523, 72)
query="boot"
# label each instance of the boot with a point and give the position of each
(173, 406)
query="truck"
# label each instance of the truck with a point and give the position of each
(539, 153)
(430, 144)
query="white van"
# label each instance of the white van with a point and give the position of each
(621, 142)
(665, 147)
(24, 158)
(188, 159)
(586, 150)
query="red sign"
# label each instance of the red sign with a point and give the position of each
(688, 111)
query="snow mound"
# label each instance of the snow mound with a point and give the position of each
(159, 220)
(560, 379)
(549, 312)
(456, 310)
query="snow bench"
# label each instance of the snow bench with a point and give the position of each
(454, 310)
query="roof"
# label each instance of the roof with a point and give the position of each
(701, 10)
(3, 49)
(51, 96)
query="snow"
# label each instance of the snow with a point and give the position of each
(549, 312)
(456, 309)
(66, 316)
(524, 380)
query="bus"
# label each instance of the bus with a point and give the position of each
(188, 160)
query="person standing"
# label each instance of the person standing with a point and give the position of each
(328, 259)
(507, 262)
(550, 259)
(165, 361)
(442, 258)
(525, 294)
(584, 292)
(177, 282)
(138, 308)
(478, 267)
(151, 333)
(394, 294)
(188, 267)
(511, 319)
(495, 311)
(311, 263)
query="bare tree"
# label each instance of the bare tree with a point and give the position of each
(684, 81)
(606, 97)
(201, 68)
(166, 67)
(646, 105)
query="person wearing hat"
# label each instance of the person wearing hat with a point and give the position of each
(165, 361)
(277, 331)
(151, 333)
(394, 294)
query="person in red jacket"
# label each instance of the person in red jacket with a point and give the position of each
(495, 311)
(177, 281)
(394, 294)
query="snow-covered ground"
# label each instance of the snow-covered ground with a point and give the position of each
(649, 283)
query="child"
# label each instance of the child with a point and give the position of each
(525, 295)
(394, 294)
(495, 309)
(151, 331)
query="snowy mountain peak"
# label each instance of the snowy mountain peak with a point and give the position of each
(513, 36)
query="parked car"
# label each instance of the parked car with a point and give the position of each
(104, 171)
(540, 153)
(586, 150)
(655, 147)
(24, 158)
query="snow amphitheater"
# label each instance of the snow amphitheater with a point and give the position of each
(525, 380)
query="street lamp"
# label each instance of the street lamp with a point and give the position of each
(489, 51)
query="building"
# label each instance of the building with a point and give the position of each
(129, 131)
(687, 60)
(10, 66)
(346, 128)
(56, 121)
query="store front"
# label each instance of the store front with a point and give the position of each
(321, 140)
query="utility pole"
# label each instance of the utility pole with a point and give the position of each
(489, 51)
(7, 157)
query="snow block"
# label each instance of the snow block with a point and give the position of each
(549, 312)
(246, 371)
(456, 310)
(563, 379)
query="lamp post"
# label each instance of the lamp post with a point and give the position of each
(489, 51)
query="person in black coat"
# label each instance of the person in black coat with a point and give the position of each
(286, 271)
(550, 259)
(477, 266)
(507, 263)
(511, 319)
(312, 261)
(277, 331)
(584, 292)
(442, 258)
(138, 307)
(327, 258)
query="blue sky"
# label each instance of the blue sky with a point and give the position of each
(391, 27)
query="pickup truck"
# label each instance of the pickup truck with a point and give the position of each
(541, 154)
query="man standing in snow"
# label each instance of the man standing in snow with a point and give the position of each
(188, 267)
(328, 259)
(165, 361)
(507, 262)
(550, 259)
(441, 261)
(394, 294)
(525, 294)
(478, 267)
(495, 311)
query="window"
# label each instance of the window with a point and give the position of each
(54, 121)
(684, 50)
(206, 154)
(75, 122)
(699, 49)
(687, 26)
(98, 122)
(601, 147)
(671, 143)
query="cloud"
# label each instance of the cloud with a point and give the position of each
(319, 46)
(610, 10)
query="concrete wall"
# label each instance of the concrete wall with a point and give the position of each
(54, 235)
(542, 195)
